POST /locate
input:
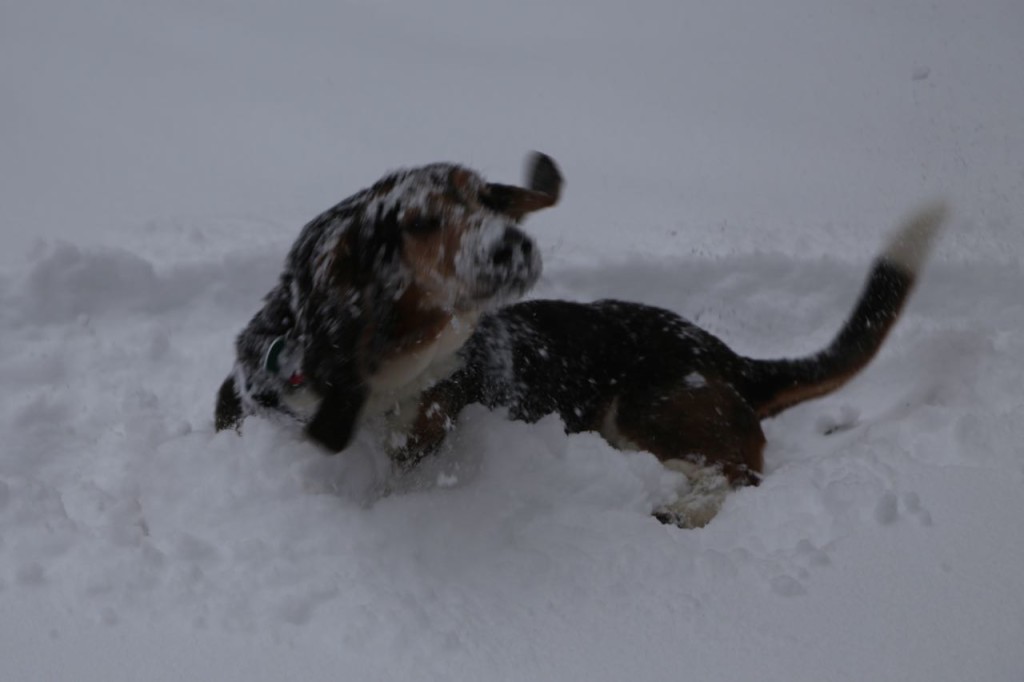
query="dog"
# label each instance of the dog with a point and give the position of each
(647, 379)
(379, 292)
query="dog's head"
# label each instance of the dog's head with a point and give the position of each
(377, 278)
(450, 238)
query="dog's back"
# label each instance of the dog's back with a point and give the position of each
(546, 356)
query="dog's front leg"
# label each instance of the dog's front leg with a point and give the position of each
(334, 362)
(229, 413)
(335, 421)
(439, 406)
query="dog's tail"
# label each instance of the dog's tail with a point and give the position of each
(771, 386)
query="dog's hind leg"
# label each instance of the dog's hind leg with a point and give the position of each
(708, 433)
(699, 499)
(708, 425)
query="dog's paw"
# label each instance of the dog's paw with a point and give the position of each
(699, 499)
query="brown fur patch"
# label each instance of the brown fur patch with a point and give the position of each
(460, 184)
(417, 322)
(516, 201)
(708, 425)
(338, 262)
(431, 257)
(795, 395)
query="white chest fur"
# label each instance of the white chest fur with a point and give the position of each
(395, 387)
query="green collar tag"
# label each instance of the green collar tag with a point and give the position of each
(272, 363)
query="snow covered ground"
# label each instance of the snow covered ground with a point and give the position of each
(738, 162)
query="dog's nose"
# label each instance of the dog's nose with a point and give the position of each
(514, 244)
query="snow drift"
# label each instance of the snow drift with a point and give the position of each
(736, 164)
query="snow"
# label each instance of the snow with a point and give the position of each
(736, 162)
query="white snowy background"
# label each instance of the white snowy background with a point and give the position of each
(738, 162)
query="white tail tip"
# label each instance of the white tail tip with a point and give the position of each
(912, 242)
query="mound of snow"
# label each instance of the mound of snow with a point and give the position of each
(736, 162)
(519, 551)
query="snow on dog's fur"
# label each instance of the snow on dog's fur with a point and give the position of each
(379, 292)
(647, 379)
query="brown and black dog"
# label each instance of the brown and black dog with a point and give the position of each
(647, 379)
(379, 292)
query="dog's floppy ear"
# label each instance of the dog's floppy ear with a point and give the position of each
(371, 245)
(368, 277)
(367, 268)
(365, 273)
(544, 186)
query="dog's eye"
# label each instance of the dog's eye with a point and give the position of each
(423, 225)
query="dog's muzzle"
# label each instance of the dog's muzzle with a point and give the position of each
(515, 251)
(506, 269)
